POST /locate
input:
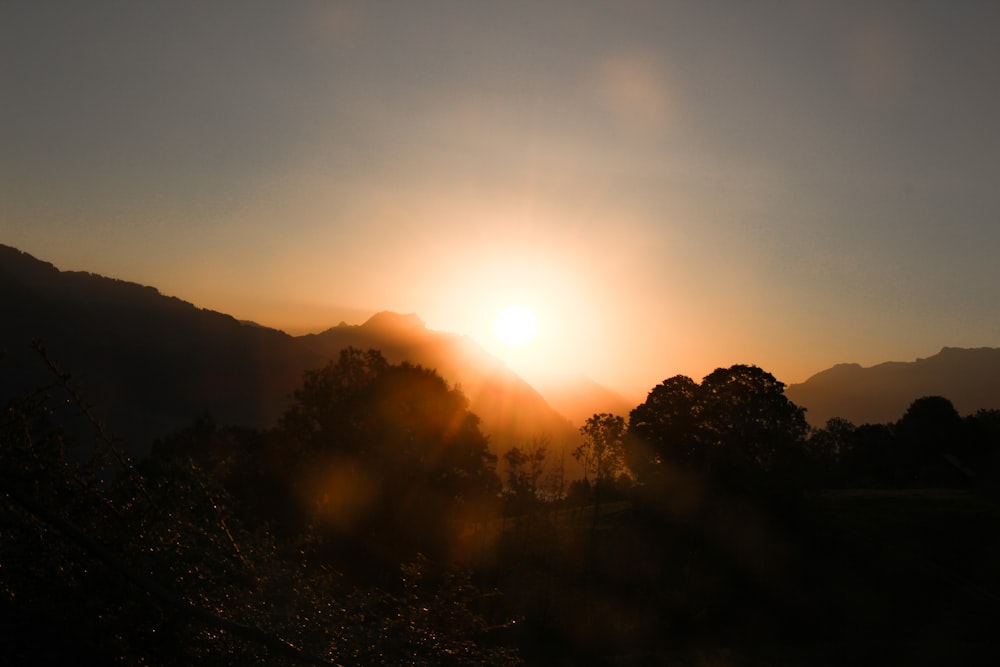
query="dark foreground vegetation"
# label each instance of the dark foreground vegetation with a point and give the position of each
(373, 525)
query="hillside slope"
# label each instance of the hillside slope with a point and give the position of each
(149, 363)
(970, 378)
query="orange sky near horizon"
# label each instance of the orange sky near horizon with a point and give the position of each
(670, 187)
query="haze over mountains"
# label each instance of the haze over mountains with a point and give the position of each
(149, 364)
(513, 412)
(969, 378)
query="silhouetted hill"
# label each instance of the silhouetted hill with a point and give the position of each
(513, 412)
(970, 378)
(149, 363)
(578, 398)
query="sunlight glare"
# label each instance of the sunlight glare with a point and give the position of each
(516, 325)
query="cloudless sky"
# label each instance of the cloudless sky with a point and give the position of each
(670, 186)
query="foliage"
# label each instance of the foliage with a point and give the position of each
(387, 449)
(524, 469)
(737, 426)
(983, 429)
(825, 449)
(748, 420)
(106, 561)
(379, 456)
(929, 446)
(233, 546)
(930, 428)
(601, 453)
(666, 427)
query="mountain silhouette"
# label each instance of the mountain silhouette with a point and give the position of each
(513, 412)
(970, 378)
(579, 397)
(148, 364)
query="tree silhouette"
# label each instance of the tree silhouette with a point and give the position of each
(736, 426)
(601, 453)
(930, 427)
(387, 448)
(666, 428)
(748, 419)
(524, 468)
(827, 451)
(983, 429)
(108, 561)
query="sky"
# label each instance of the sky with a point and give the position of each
(670, 187)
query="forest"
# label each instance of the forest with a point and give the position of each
(373, 524)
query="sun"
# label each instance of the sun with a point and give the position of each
(516, 325)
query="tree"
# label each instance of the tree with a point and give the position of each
(107, 562)
(735, 426)
(387, 448)
(665, 428)
(828, 449)
(983, 428)
(749, 420)
(873, 459)
(601, 453)
(930, 427)
(325, 411)
(524, 472)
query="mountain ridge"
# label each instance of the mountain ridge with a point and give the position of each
(151, 363)
(969, 377)
(188, 360)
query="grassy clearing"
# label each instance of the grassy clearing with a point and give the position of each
(875, 576)
(911, 572)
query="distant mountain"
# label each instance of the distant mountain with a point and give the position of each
(578, 398)
(149, 364)
(513, 412)
(970, 378)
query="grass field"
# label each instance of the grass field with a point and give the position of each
(872, 577)
(911, 576)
